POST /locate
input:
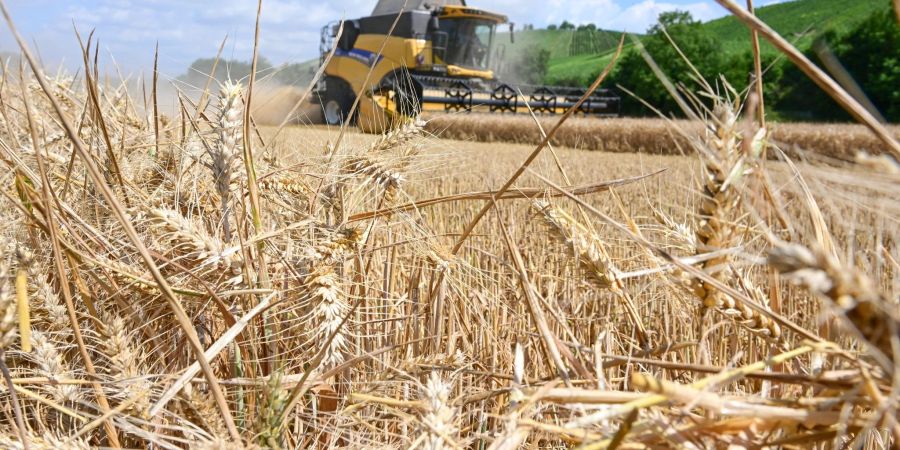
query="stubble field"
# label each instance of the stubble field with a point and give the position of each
(195, 282)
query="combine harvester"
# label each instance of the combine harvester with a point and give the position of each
(437, 58)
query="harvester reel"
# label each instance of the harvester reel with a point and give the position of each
(505, 99)
(459, 97)
(585, 107)
(543, 100)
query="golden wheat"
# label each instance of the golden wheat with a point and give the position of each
(649, 136)
(331, 320)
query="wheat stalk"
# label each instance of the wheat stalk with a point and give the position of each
(24, 258)
(7, 309)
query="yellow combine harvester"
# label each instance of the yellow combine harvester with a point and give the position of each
(437, 58)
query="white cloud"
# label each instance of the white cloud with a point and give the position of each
(187, 29)
(624, 15)
(638, 18)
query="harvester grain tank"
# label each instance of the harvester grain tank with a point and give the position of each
(437, 57)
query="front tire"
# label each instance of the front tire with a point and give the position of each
(337, 101)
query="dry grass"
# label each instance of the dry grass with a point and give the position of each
(726, 301)
(654, 136)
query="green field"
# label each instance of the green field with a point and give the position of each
(563, 71)
(571, 51)
(559, 42)
(800, 21)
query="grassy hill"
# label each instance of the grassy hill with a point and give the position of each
(568, 70)
(560, 43)
(569, 49)
(799, 21)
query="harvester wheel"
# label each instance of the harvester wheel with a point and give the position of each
(337, 101)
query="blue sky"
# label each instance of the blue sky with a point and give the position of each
(187, 29)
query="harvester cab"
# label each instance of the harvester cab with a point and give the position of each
(429, 55)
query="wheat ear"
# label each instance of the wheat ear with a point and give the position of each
(590, 254)
(226, 154)
(124, 365)
(724, 164)
(200, 409)
(200, 244)
(438, 419)
(48, 300)
(719, 200)
(51, 364)
(47, 441)
(374, 164)
(406, 132)
(273, 400)
(324, 287)
(868, 310)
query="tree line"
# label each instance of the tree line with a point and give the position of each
(868, 52)
(295, 74)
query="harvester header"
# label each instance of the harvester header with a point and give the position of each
(438, 57)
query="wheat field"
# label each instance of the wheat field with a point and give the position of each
(194, 281)
(651, 135)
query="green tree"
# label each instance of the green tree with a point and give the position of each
(698, 46)
(566, 25)
(738, 70)
(551, 27)
(865, 52)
